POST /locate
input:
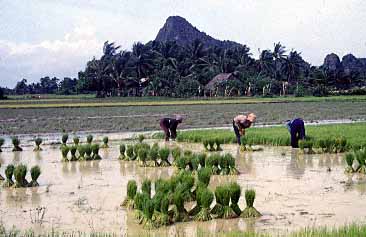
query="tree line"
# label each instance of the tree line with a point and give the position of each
(168, 69)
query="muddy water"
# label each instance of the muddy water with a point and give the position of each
(293, 191)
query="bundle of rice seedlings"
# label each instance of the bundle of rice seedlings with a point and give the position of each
(20, 172)
(179, 213)
(235, 192)
(250, 210)
(88, 151)
(176, 152)
(349, 160)
(142, 155)
(2, 141)
(65, 151)
(146, 187)
(164, 209)
(81, 150)
(9, 176)
(204, 176)
(218, 142)
(38, 142)
(16, 143)
(164, 155)
(64, 139)
(148, 211)
(226, 212)
(139, 201)
(181, 163)
(105, 142)
(211, 144)
(360, 157)
(224, 166)
(162, 186)
(201, 159)
(340, 144)
(131, 193)
(122, 150)
(213, 162)
(154, 155)
(231, 163)
(197, 208)
(130, 152)
(89, 139)
(35, 173)
(141, 138)
(73, 150)
(157, 208)
(76, 140)
(206, 197)
(205, 144)
(95, 151)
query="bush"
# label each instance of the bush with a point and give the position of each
(9, 171)
(105, 142)
(35, 173)
(16, 143)
(131, 193)
(250, 211)
(38, 142)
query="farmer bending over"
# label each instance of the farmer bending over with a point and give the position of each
(240, 123)
(169, 126)
(296, 128)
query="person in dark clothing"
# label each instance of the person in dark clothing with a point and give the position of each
(240, 123)
(169, 126)
(296, 128)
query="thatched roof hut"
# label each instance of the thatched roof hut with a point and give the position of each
(218, 79)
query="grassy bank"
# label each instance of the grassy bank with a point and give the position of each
(354, 133)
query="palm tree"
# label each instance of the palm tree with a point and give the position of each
(142, 58)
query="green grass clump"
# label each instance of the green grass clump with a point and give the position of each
(64, 139)
(131, 193)
(105, 142)
(361, 159)
(142, 155)
(2, 141)
(65, 151)
(349, 157)
(204, 176)
(235, 192)
(164, 155)
(9, 171)
(76, 140)
(20, 172)
(176, 152)
(122, 150)
(154, 155)
(231, 163)
(250, 211)
(38, 142)
(130, 152)
(16, 144)
(35, 173)
(95, 151)
(146, 187)
(180, 214)
(206, 198)
(73, 150)
(89, 139)
(205, 144)
(222, 208)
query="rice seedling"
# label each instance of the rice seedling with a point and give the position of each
(88, 151)
(76, 140)
(122, 150)
(35, 173)
(146, 187)
(349, 160)
(213, 163)
(204, 176)
(231, 163)
(341, 144)
(81, 150)
(131, 193)
(16, 143)
(206, 198)
(360, 157)
(141, 138)
(64, 139)
(202, 159)
(38, 142)
(105, 142)
(222, 208)
(224, 166)
(181, 163)
(164, 156)
(130, 152)
(139, 201)
(176, 152)
(142, 155)
(148, 211)
(9, 171)
(20, 172)
(65, 151)
(2, 141)
(179, 213)
(306, 145)
(163, 218)
(205, 144)
(218, 142)
(73, 150)
(89, 139)
(211, 144)
(235, 192)
(250, 211)
(154, 155)
(95, 151)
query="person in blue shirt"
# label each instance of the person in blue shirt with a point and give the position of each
(296, 128)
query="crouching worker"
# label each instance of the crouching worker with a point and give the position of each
(240, 123)
(296, 128)
(169, 126)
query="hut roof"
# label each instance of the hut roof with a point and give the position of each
(219, 78)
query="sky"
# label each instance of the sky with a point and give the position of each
(57, 37)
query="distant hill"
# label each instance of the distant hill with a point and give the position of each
(178, 29)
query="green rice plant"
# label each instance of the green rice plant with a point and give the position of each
(20, 172)
(235, 192)
(164, 156)
(341, 144)
(176, 152)
(89, 139)
(81, 150)
(206, 198)
(64, 139)
(2, 141)
(65, 151)
(16, 143)
(205, 144)
(250, 211)
(218, 210)
(181, 163)
(9, 171)
(95, 151)
(187, 153)
(148, 211)
(105, 142)
(231, 163)
(139, 201)
(204, 176)
(202, 159)
(213, 162)
(179, 213)
(211, 144)
(164, 209)
(141, 138)
(154, 155)
(349, 157)
(88, 151)
(218, 142)
(122, 150)
(76, 140)
(35, 173)
(223, 210)
(361, 159)
(193, 163)
(73, 150)
(131, 193)
(130, 152)
(224, 166)
(38, 142)
(142, 155)
(146, 187)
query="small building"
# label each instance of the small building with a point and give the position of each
(216, 86)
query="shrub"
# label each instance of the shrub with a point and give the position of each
(146, 187)
(206, 197)
(105, 142)
(65, 151)
(235, 192)
(16, 143)
(131, 193)
(76, 140)
(95, 151)
(19, 174)
(73, 150)
(9, 176)
(89, 139)
(88, 151)
(122, 150)
(250, 211)
(141, 138)
(204, 176)
(2, 141)
(35, 173)
(164, 155)
(38, 142)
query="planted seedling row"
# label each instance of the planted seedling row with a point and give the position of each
(19, 172)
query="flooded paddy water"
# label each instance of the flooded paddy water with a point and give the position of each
(293, 191)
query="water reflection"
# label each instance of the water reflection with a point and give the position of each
(296, 167)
